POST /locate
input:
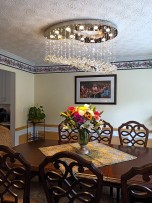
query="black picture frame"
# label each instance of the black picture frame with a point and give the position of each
(95, 89)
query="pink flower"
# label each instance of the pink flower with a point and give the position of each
(97, 115)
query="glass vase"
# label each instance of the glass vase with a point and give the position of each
(83, 138)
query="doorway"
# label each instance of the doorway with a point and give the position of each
(7, 101)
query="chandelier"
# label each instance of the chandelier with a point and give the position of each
(82, 43)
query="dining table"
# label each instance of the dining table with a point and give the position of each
(111, 172)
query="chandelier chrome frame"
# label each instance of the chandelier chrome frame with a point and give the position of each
(81, 43)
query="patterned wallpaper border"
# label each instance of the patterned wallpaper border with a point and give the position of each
(126, 65)
(5, 60)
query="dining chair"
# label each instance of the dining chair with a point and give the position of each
(67, 135)
(133, 133)
(64, 177)
(71, 135)
(14, 176)
(102, 135)
(137, 190)
(5, 136)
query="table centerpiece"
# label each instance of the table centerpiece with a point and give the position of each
(84, 118)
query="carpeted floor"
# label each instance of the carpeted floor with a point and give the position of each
(38, 195)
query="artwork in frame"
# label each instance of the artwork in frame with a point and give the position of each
(95, 89)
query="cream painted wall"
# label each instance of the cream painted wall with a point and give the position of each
(24, 94)
(56, 91)
(134, 96)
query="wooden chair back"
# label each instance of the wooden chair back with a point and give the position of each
(67, 135)
(133, 133)
(102, 135)
(140, 190)
(14, 176)
(64, 178)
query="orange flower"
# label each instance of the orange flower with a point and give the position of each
(88, 115)
(68, 114)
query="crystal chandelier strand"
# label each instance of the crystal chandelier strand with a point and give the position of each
(85, 44)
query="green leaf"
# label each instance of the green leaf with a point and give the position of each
(63, 114)
(94, 108)
(72, 122)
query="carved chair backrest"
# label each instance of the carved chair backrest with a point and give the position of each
(133, 133)
(102, 135)
(64, 175)
(137, 190)
(67, 135)
(14, 176)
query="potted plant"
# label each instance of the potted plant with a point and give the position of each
(36, 114)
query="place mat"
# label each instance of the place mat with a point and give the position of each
(100, 154)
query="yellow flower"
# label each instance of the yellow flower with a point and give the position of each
(87, 106)
(83, 108)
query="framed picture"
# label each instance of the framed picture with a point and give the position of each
(95, 89)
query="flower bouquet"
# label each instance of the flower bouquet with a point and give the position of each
(84, 118)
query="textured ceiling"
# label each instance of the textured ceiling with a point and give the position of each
(22, 23)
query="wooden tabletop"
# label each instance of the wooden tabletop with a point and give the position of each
(112, 173)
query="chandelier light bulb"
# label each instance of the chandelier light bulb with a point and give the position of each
(81, 27)
(108, 29)
(51, 36)
(59, 36)
(56, 32)
(68, 29)
(110, 34)
(95, 27)
(100, 33)
(92, 41)
(82, 38)
(71, 36)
